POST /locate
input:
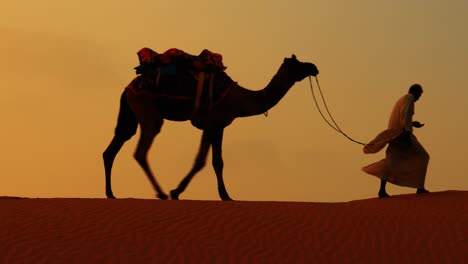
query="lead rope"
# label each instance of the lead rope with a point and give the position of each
(335, 126)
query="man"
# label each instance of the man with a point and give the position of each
(406, 159)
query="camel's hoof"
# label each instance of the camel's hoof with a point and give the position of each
(162, 196)
(226, 198)
(110, 196)
(383, 194)
(174, 194)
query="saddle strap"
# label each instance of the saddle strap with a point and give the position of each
(201, 81)
(200, 85)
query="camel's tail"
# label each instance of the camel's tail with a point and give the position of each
(127, 122)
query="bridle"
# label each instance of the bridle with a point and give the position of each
(334, 126)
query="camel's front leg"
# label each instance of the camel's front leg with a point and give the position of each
(197, 166)
(141, 153)
(218, 164)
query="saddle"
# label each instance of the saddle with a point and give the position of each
(177, 75)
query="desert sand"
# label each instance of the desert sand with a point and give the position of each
(410, 228)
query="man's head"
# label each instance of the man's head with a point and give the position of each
(416, 90)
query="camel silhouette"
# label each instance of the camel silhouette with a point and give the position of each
(149, 111)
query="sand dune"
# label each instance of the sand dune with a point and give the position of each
(402, 229)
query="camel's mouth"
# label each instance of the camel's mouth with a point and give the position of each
(312, 69)
(304, 69)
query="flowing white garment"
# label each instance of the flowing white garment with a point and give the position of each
(403, 165)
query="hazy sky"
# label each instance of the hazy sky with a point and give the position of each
(64, 64)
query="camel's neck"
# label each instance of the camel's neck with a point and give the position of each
(259, 102)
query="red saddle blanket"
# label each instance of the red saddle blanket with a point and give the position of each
(207, 61)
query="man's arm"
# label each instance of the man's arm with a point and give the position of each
(417, 124)
(408, 114)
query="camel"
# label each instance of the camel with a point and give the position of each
(145, 110)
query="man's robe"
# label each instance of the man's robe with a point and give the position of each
(404, 164)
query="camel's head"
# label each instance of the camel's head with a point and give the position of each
(299, 70)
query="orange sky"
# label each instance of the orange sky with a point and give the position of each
(64, 65)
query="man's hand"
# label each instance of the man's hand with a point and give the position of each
(417, 124)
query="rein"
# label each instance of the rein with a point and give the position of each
(334, 126)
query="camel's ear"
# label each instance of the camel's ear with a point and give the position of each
(293, 57)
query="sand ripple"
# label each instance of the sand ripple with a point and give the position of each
(405, 229)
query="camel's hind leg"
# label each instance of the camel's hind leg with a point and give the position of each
(126, 127)
(218, 164)
(197, 166)
(109, 156)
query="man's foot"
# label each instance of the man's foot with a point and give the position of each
(383, 194)
(421, 191)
